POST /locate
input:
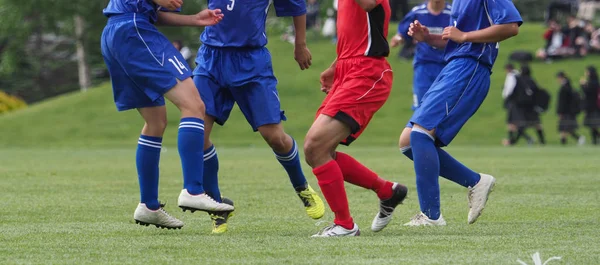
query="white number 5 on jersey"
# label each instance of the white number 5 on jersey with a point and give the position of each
(230, 6)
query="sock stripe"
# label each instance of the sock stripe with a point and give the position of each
(210, 154)
(405, 148)
(150, 145)
(149, 142)
(192, 126)
(191, 123)
(292, 156)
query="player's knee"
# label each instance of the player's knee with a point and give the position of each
(194, 107)
(404, 140)
(276, 141)
(156, 126)
(312, 149)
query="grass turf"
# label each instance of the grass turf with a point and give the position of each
(74, 206)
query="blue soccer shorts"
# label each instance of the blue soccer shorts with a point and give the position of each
(225, 76)
(423, 77)
(142, 62)
(453, 98)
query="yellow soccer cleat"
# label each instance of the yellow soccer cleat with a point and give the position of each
(220, 219)
(312, 203)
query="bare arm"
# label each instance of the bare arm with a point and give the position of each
(367, 5)
(206, 17)
(301, 52)
(494, 33)
(436, 40)
(173, 19)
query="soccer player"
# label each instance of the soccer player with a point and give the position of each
(357, 84)
(471, 44)
(428, 61)
(234, 66)
(145, 68)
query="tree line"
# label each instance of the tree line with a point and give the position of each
(49, 47)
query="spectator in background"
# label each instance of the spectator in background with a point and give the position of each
(515, 119)
(560, 6)
(531, 115)
(576, 35)
(187, 54)
(557, 43)
(594, 37)
(567, 110)
(394, 5)
(591, 91)
(312, 14)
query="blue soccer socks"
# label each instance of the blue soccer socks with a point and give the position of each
(450, 168)
(427, 169)
(291, 162)
(147, 158)
(453, 170)
(190, 142)
(211, 173)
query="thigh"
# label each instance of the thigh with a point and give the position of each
(453, 98)
(258, 100)
(254, 87)
(218, 100)
(150, 60)
(362, 90)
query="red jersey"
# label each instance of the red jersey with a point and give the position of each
(362, 33)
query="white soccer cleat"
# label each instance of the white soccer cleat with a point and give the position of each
(337, 230)
(387, 207)
(422, 220)
(159, 218)
(201, 202)
(478, 196)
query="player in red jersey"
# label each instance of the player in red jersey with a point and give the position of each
(357, 84)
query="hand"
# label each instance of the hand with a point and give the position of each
(327, 79)
(169, 4)
(454, 34)
(418, 31)
(208, 17)
(582, 81)
(396, 40)
(302, 55)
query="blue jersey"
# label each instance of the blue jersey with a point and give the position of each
(244, 22)
(144, 7)
(435, 24)
(471, 15)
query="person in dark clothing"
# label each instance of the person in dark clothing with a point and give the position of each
(560, 6)
(515, 119)
(567, 110)
(531, 116)
(591, 92)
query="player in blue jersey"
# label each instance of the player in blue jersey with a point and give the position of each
(145, 68)
(234, 66)
(428, 61)
(471, 44)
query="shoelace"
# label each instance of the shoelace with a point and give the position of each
(327, 228)
(418, 217)
(162, 210)
(307, 198)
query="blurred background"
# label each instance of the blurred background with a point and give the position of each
(53, 81)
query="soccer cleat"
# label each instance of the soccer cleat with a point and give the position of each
(386, 207)
(159, 218)
(312, 203)
(422, 220)
(478, 196)
(337, 230)
(201, 202)
(220, 219)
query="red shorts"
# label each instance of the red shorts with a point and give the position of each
(360, 88)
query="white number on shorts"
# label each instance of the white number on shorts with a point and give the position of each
(179, 66)
(230, 6)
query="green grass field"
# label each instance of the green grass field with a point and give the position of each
(69, 185)
(75, 207)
